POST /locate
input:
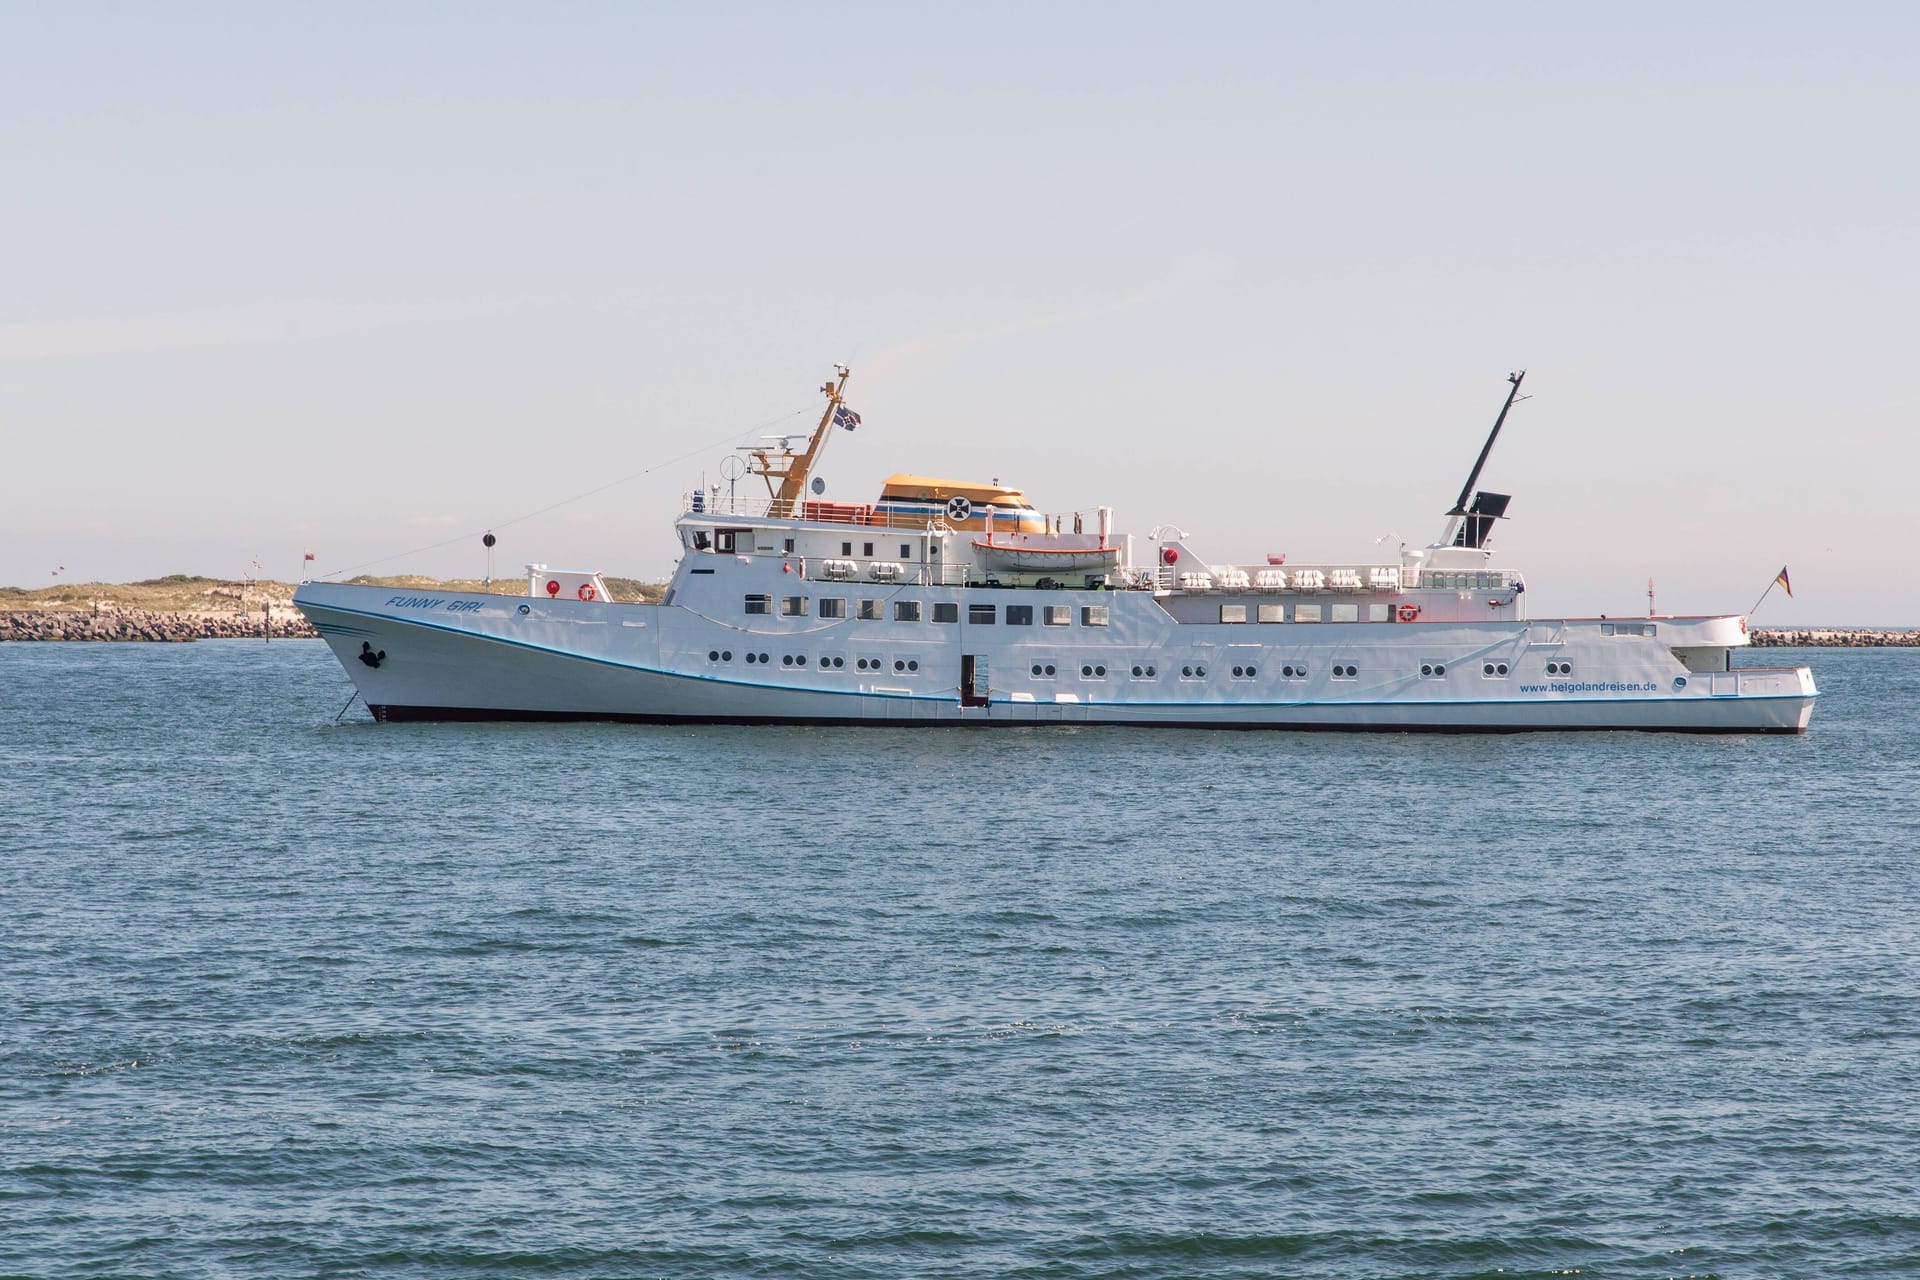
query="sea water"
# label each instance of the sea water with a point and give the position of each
(284, 996)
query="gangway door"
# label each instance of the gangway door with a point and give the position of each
(973, 680)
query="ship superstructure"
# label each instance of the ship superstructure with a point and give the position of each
(954, 602)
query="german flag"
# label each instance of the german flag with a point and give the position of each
(1782, 582)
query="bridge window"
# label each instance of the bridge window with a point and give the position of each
(793, 606)
(759, 604)
(870, 611)
(980, 615)
(833, 607)
(1093, 615)
(946, 611)
(1019, 615)
(1057, 615)
(906, 611)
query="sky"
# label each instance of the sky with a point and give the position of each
(366, 278)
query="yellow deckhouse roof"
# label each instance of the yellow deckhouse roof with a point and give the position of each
(934, 489)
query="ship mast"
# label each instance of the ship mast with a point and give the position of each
(1470, 527)
(793, 469)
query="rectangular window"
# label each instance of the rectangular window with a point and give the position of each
(1346, 613)
(759, 604)
(723, 540)
(981, 615)
(871, 611)
(833, 607)
(1093, 615)
(1306, 613)
(906, 611)
(946, 611)
(1379, 613)
(846, 548)
(787, 546)
(1273, 613)
(1057, 615)
(1019, 615)
(906, 551)
(866, 549)
(1233, 613)
(793, 606)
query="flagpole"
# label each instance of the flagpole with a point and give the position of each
(1763, 596)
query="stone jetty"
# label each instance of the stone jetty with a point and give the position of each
(1834, 638)
(151, 625)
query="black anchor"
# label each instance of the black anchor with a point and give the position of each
(368, 656)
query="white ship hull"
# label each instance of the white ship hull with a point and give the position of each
(449, 656)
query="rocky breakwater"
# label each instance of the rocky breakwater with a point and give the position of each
(152, 625)
(1834, 638)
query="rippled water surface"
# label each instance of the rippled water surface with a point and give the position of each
(285, 997)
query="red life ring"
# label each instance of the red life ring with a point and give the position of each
(1743, 626)
(586, 591)
(1408, 612)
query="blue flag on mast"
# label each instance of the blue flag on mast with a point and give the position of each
(845, 417)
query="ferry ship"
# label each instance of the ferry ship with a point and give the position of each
(949, 602)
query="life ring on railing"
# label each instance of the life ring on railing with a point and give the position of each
(1409, 612)
(586, 591)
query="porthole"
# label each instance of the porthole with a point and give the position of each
(1287, 672)
(1049, 668)
(1186, 671)
(1439, 668)
(752, 658)
(826, 662)
(1251, 671)
(1499, 668)
(1036, 668)
(1199, 671)
(1426, 668)
(1099, 671)
(713, 655)
(1149, 672)
(899, 664)
(839, 663)
(764, 659)
(726, 655)
(1086, 670)
(1487, 670)
(1137, 671)
(1239, 671)
(912, 665)
(786, 659)
(1679, 682)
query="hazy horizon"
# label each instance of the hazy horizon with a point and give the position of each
(364, 278)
